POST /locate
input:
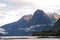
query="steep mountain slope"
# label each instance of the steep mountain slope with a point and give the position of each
(28, 24)
(39, 17)
(16, 28)
(56, 26)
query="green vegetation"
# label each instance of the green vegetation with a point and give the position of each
(45, 33)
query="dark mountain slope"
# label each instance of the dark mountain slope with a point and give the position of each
(56, 26)
(39, 17)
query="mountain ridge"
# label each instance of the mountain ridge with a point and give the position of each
(17, 28)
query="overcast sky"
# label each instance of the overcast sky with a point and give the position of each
(12, 10)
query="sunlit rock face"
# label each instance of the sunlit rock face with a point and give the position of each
(27, 17)
(56, 16)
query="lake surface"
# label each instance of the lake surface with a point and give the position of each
(26, 38)
(35, 39)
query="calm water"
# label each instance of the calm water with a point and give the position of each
(28, 38)
(34, 39)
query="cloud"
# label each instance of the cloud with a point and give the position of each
(21, 29)
(31, 28)
(40, 4)
(12, 13)
(8, 17)
(23, 1)
(2, 5)
(2, 31)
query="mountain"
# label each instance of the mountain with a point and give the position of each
(28, 24)
(27, 17)
(54, 31)
(15, 28)
(39, 17)
(56, 16)
(56, 26)
(51, 17)
(40, 21)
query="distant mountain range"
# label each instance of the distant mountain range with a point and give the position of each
(28, 24)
